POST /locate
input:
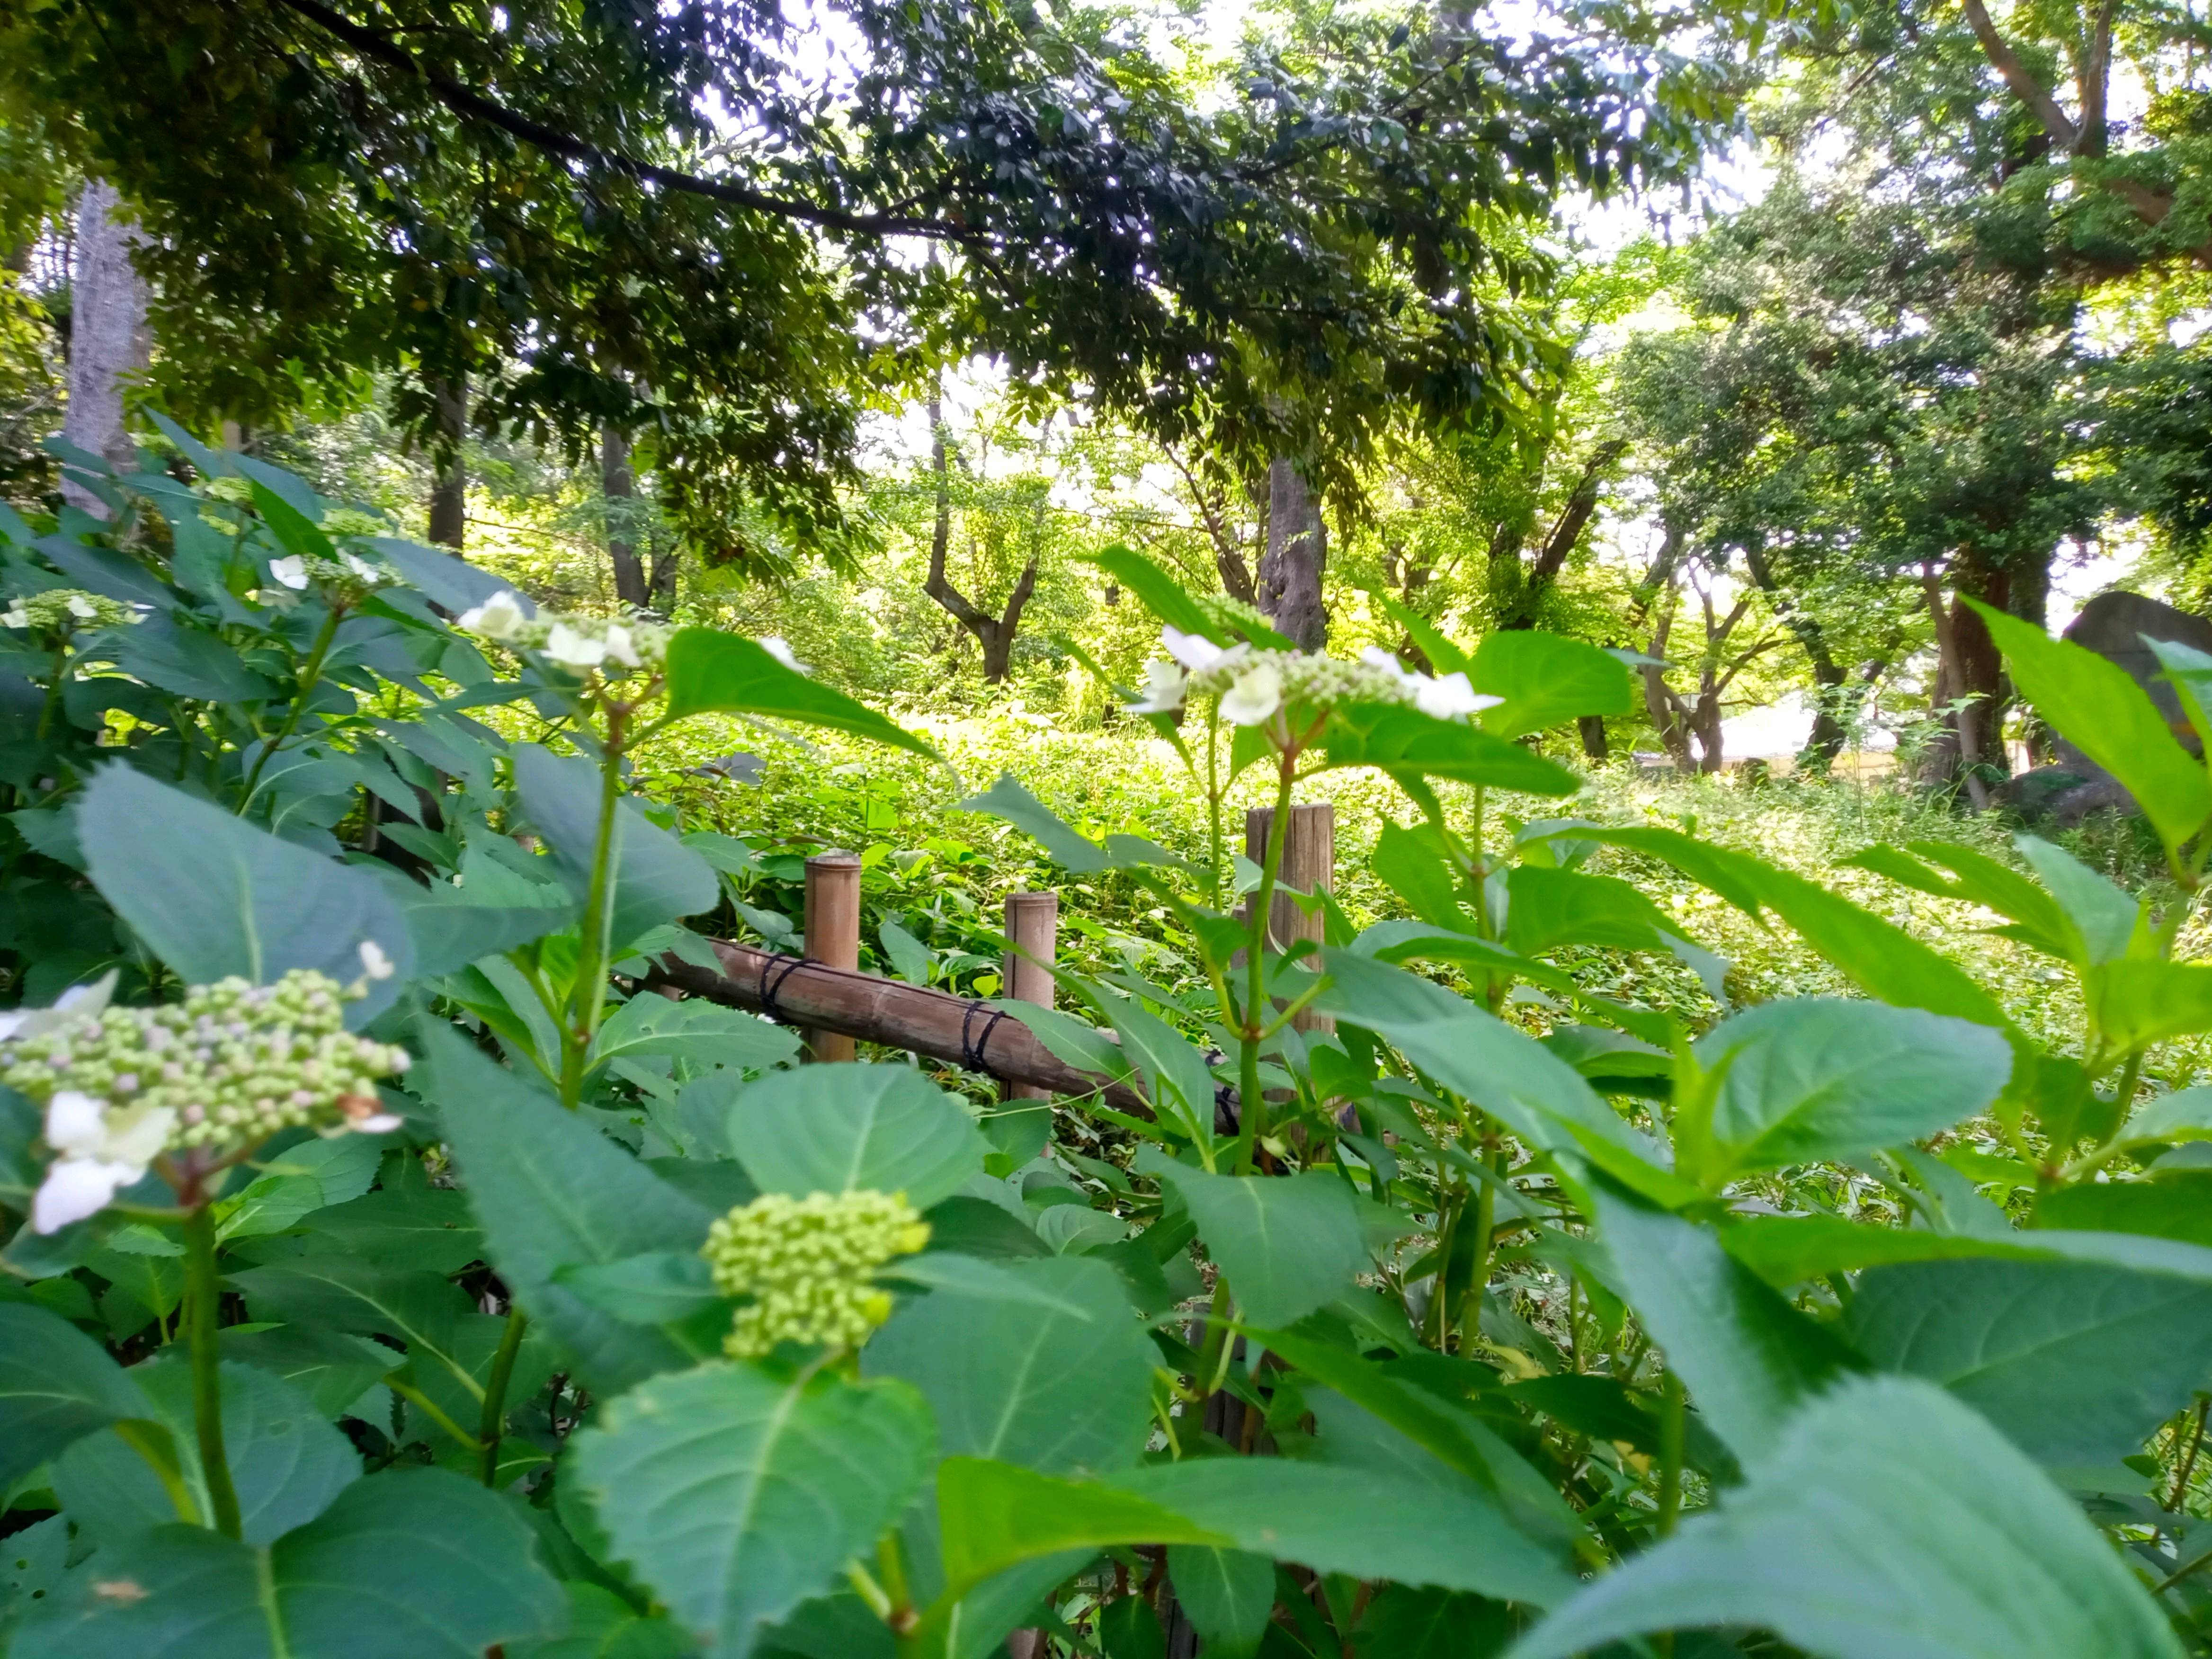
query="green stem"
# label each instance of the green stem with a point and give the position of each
(1672, 1415)
(310, 677)
(1249, 1103)
(587, 993)
(494, 1421)
(1485, 1228)
(52, 706)
(1213, 798)
(202, 1290)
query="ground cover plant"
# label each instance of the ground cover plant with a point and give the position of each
(392, 1270)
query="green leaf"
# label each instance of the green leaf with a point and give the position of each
(189, 662)
(702, 1032)
(656, 877)
(1505, 1072)
(1062, 1390)
(214, 897)
(2176, 1205)
(2136, 1003)
(1008, 801)
(1977, 879)
(550, 1192)
(737, 1494)
(341, 1293)
(1176, 1079)
(2077, 1363)
(1162, 595)
(414, 1564)
(1288, 1244)
(287, 1464)
(329, 1369)
(1397, 1412)
(1545, 680)
(1747, 1357)
(451, 929)
(909, 957)
(660, 1287)
(2099, 707)
(400, 1227)
(853, 1127)
(1410, 862)
(1887, 1520)
(1443, 654)
(2100, 919)
(1227, 1595)
(993, 1515)
(299, 1180)
(1814, 1080)
(56, 1385)
(1878, 956)
(2185, 1115)
(1406, 743)
(713, 673)
(1370, 1522)
(1546, 908)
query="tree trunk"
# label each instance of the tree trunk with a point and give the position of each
(449, 491)
(618, 485)
(1829, 733)
(108, 339)
(995, 634)
(1297, 553)
(1595, 746)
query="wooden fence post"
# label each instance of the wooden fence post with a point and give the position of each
(833, 933)
(1309, 865)
(1033, 924)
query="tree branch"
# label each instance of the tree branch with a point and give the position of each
(2017, 75)
(473, 106)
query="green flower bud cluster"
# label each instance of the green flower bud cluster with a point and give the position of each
(65, 611)
(1316, 681)
(234, 1062)
(232, 492)
(806, 1262)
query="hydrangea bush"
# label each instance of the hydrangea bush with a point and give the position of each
(392, 1270)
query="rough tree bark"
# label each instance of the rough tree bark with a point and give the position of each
(449, 489)
(618, 484)
(995, 634)
(108, 338)
(1288, 592)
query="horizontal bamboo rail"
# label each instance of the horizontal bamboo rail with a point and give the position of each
(842, 1001)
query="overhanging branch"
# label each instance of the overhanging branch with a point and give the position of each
(473, 106)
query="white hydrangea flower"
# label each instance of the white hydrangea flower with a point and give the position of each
(621, 646)
(779, 647)
(15, 618)
(102, 1150)
(1199, 654)
(78, 1002)
(82, 608)
(373, 962)
(1257, 694)
(291, 571)
(574, 648)
(497, 618)
(1450, 697)
(1164, 685)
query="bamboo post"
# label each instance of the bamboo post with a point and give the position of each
(833, 933)
(1033, 926)
(1309, 865)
